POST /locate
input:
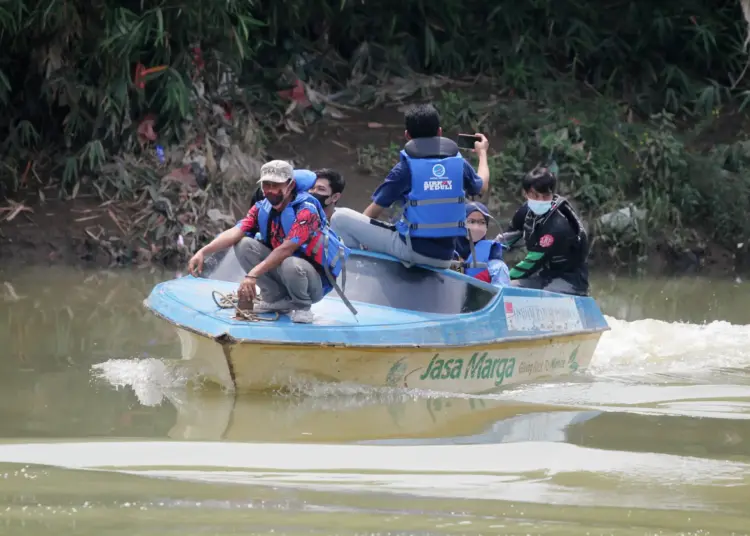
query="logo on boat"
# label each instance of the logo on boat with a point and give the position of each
(573, 360)
(555, 365)
(479, 367)
(396, 373)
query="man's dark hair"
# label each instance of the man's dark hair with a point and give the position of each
(333, 177)
(258, 196)
(422, 121)
(541, 179)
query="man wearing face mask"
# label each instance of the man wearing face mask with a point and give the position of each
(555, 238)
(328, 188)
(483, 261)
(326, 185)
(296, 259)
(304, 180)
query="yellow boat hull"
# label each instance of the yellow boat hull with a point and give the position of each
(483, 368)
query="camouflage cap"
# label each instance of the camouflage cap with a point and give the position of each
(277, 171)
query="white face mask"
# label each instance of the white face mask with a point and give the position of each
(477, 230)
(539, 207)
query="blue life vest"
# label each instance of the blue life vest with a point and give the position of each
(305, 179)
(335, 253)
(482, 250)
(435, 205)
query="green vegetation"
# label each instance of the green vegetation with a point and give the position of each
(683, 194)
(626, 95)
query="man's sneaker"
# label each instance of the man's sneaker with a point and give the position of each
(302, 316)
(280, 307)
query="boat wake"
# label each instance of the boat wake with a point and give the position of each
(654, 347)
(639, 352)
(529, 472)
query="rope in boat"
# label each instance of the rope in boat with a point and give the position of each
(230, 301)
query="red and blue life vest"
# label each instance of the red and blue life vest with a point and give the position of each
(481, 254)
(334, 251)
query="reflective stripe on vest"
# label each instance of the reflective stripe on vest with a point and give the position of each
(482, 250)
(435, 205)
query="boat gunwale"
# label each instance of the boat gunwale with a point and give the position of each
(225, 339)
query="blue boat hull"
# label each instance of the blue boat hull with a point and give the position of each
(459, 333)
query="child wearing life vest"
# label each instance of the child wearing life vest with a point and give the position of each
(489, 266)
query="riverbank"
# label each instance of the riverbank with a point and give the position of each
(40, 228)
(147, 145)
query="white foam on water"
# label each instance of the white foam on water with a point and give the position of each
(643, 351)
(654, 346)
(152, 380)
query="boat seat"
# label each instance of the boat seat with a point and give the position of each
(385, 256)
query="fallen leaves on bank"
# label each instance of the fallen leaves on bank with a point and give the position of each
(162, 203)
(13, 209)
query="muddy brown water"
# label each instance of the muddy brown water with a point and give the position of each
(103, 432)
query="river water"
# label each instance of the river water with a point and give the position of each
(102, 431)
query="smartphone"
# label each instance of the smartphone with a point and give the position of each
(466, 141)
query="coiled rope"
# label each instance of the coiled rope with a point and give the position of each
(231, 301)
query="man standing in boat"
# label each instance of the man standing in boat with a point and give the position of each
(556, 241)
(297, 258)
(431, 181)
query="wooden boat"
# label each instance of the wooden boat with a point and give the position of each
(416, 327)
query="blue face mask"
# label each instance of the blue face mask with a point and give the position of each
(539, 207)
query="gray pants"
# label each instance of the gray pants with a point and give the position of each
(556, 285)
(294, 283)
(355, 229)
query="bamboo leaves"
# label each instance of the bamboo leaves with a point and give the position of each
(71, 70)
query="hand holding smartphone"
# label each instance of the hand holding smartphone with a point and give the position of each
(466, 141)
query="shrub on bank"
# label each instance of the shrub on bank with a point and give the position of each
(668, 179)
